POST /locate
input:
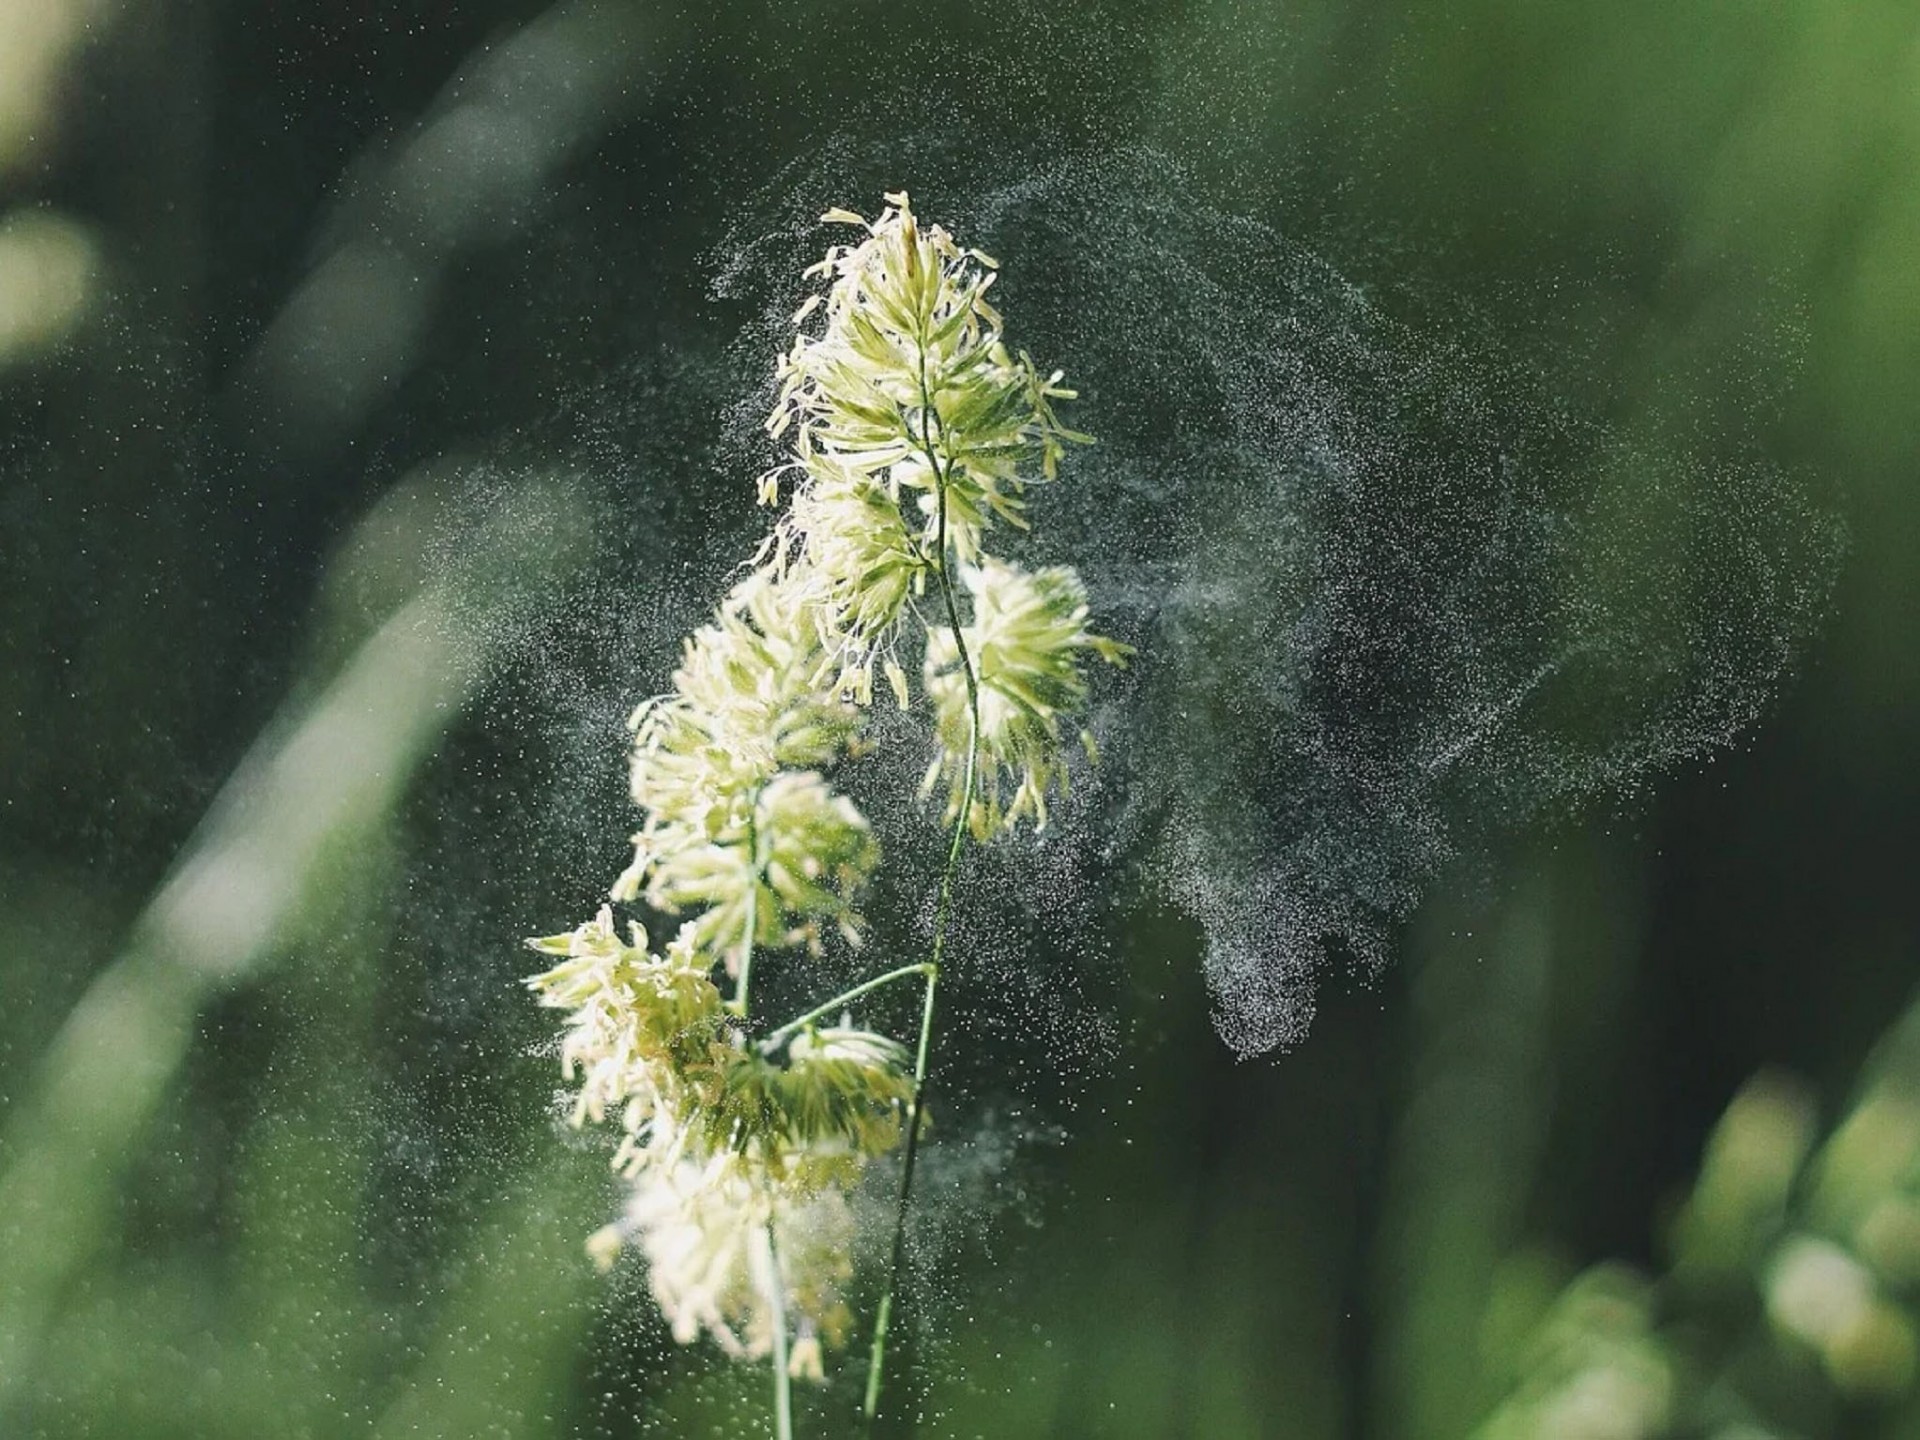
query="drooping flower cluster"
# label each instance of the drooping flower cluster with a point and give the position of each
(721, 1140)
(726, 1144)
(642, 1025)
(914, 435)
(706, 1233)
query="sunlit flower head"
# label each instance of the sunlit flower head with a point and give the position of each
(861, 563)
(733, 827)
(714, 1236)
(1028, 641)
(908, 392)
(747, 701)
(914, 434)
(839, 1096)
(794, 862)
(638, 1023)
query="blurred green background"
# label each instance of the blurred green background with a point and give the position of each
(317, 323)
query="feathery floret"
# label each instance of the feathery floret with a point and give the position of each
(1027, 642)
(908, 390)
(706, 1231)
(640, 1023)
(915, 433)
(732, 824)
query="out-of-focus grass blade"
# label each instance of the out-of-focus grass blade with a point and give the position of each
(511, 1335)
(327, 775)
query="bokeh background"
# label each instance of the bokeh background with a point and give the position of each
(378, 389)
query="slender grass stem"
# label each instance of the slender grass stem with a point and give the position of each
(739, 1002)
(777, 1296)
(845, 997)
(877, 1358)
(769, 1254)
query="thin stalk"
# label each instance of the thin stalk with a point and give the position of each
(877, 1358)
(739, 1002)
(776, 1292)
(782, 1382)
(845, 997)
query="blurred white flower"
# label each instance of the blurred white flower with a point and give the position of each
(698, 1225)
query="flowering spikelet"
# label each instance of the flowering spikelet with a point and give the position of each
(908, 390)
(746, 701)
(861, 562)
(640, 1023)
(725, 1146)
(1027, 641)
(797, 857)
(706, 1232)
(839, 1096)
(731, 823)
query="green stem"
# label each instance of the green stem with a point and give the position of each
(776, 1292)
(845, 997)
(738, 1005)
(877, 1359)
(782, 1382)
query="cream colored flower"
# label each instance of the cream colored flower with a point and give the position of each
(861, 564)
(639, 1023)
(706, 1231)
(798, 857)
(747, 701)
(732, 823)
(1027, 643)
(908, 393)
(914, 433)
